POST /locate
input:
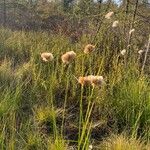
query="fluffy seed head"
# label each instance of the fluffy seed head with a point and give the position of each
(123, 52)
(140, 52)
(47, 56)
(89, 48)
(84, 80)
(129, 46)
(108, 15)
(68, 57)
(91, 80)
(115, 24)
(90, 77)
(131, 31)
(97, 81)
(90, 147)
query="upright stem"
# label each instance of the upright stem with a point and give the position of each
(4, 13)
(80, 117)
(146, 53)
(65, 103)
(134, 14)
(127, 7)
(127, 12)
(133, 20)
(85, 124)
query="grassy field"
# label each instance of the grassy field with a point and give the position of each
(44, 107)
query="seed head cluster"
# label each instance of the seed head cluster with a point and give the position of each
(108, 15)
(68, 57)
(115, 24)
(47, 56)
(140, 52)
(131, 31)
(89, 48)
(91, 80)
(123, 52)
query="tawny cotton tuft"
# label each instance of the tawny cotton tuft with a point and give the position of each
(140, 52)
(91, 80)
(89, 48)
(123, 52)
(47, 56)
(129, 46)
(84, 80)
(108, 15)
(90, 147)
(97, 81)
(131, 31)
(115, 24)
(68, 57)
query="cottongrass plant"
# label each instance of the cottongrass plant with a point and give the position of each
(85, 124)
(91, 80)
(140, 52)
(68, 57)
(90, 147)
(115, 24)
(97, 81)
(109, 15)
(131, 31)
(47, 56)
(123, 52)
(129, 37)
(84, 81)
(89, 48)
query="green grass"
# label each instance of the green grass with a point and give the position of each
(42, 105)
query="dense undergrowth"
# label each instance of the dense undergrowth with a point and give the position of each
(42, 105)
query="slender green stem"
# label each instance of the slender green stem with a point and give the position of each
(87, 137)
(80, 116)
(87, 117)
(65, 102)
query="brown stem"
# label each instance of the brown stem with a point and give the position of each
(146, 53)
(4, 13)
(133, 20)
(134, 14)
(127, 7)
